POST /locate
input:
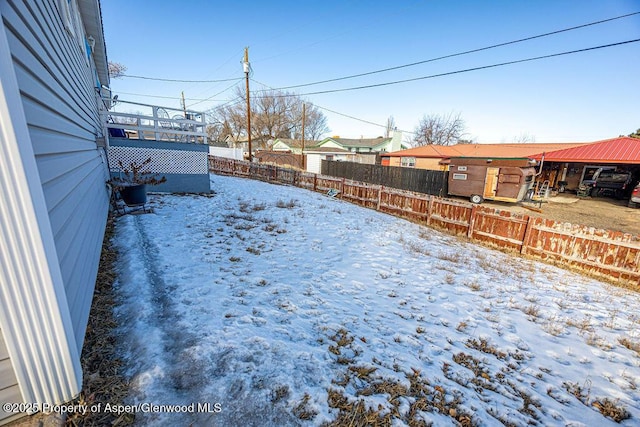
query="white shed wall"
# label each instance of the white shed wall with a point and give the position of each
(314, 162)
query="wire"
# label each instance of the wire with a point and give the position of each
(484, 67)
(178, 80)
(460, 53)
(333, 111)
(165, 97)
(360, 120)
(212, 96)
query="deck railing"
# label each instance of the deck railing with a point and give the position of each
(135, 120)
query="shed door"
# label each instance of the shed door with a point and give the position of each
(491, 182)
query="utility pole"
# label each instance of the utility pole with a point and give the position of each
(184, 106)
(304, 115)
(246, 67)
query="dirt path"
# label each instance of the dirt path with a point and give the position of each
(604, 213)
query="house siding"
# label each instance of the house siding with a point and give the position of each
(9, 390)
(56, 85)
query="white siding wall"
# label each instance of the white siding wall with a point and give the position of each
(314, 162)
(9, 390)
(56, 85)
(57, 88)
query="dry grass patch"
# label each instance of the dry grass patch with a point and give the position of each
(454, 257)
(303, 409)
(533, 311)
(631, 345)
(246, 207)
(611, 409)
(483, 345)
(103, 380)
(292, 203)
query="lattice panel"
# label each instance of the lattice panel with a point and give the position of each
(162, 160)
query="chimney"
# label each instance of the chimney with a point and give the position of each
(396, 139)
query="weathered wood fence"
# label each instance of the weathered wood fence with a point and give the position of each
(419, 180)
(610, 255)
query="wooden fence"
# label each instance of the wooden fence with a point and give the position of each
(609, 255)
(419, 180)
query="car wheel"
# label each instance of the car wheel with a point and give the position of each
(594, 192)
(476, 198)
(632, 204)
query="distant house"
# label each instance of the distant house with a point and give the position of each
(292, 145)
(433, 157)
(366, 145)
(53, 169)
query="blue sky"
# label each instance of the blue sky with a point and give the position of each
(580, 97)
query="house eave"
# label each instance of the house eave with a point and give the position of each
(92, 18)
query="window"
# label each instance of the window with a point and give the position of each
(72, 21)
(408, 162)
(460, 176)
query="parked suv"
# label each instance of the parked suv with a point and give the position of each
(634, 201)
(608, 182)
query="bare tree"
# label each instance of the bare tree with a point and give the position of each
(390, 127)
(274, 114)
(228, 121)
(315, 125)
(524, 138)
(116, 70)
(437, 129)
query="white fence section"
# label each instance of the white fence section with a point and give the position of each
(227, 153)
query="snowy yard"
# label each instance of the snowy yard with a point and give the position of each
(279, 306)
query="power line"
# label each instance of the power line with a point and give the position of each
(360, 120)
(162, 97)
(461, 53)
(213, 96)
(179, 80)
(484, 67)
(335, 112)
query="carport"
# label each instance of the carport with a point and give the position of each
(566, 169)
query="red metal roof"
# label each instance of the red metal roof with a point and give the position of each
(623, 149)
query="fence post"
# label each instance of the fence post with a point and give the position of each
(315, 181)
(430, 209)
(472, 221)
(379, 197)
(341, 187)
(527, 235)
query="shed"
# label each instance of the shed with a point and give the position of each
(506, 180)
(318, 154)
(53, 197)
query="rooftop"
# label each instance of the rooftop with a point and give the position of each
(623, 149)
(362, 142)
(483, 150)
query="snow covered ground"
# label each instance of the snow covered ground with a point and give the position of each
(275, 306)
